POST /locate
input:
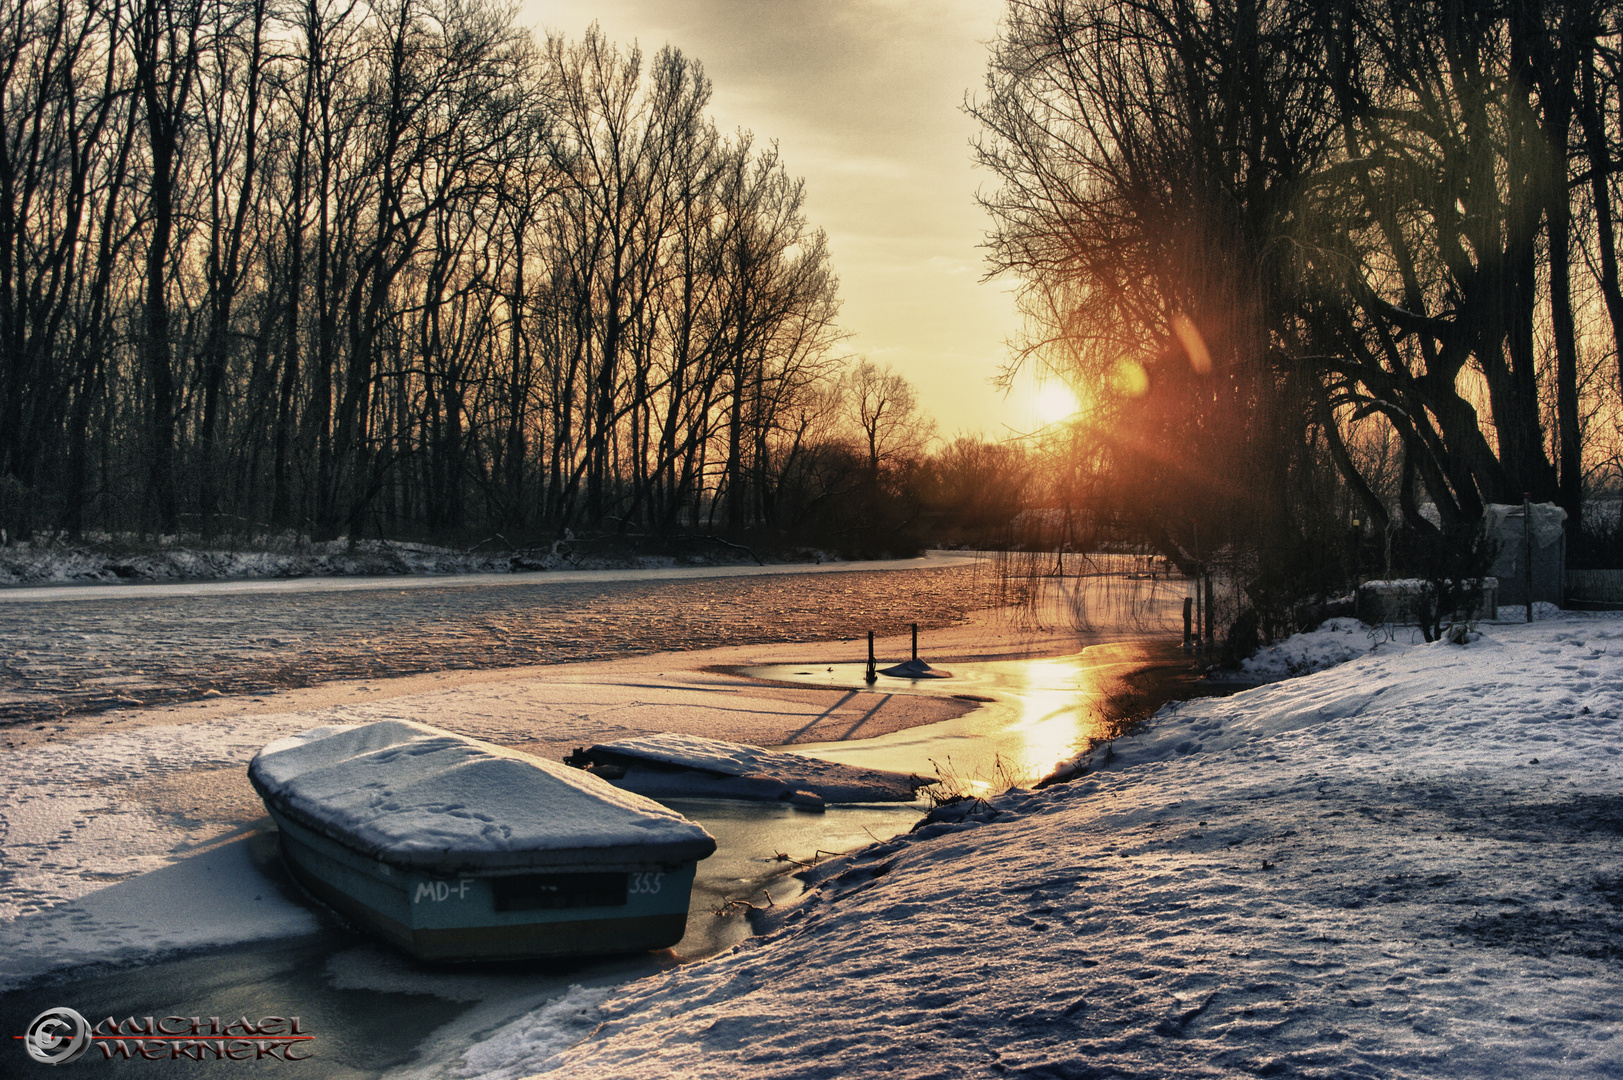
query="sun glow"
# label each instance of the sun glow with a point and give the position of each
(1054, 402)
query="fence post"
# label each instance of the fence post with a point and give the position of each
(1527, 549)
(1211, 616)
(1188, 615)
(873, 669)
(1200, 617)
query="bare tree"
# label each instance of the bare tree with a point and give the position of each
(882, 407)
(63, 148)
(166, 43)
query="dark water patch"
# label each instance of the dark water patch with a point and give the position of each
(1164, 674)
(357, 1033)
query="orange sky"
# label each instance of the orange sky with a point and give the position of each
(864, 98)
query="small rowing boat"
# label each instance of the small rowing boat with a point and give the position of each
(455, 849)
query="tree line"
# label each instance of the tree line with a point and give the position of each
(1317, 263)
(395, 265)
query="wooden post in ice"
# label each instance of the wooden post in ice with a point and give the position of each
(915, 641)
(873, 669)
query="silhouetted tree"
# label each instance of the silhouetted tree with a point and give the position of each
(346, 265)
(1248, 231)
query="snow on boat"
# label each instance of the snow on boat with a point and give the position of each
(457, 849)
(672, 765)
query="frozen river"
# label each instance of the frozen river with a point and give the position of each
(84, 649)
(379, 1014)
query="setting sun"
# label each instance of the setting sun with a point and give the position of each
(1053, 402)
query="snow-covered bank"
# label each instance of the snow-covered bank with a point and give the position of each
(111, 560)
(1336, 641)
(60, 576)
(107, 563)
(1410, 865)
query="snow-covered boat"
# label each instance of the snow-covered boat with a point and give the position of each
(671, 765)
(457, 849)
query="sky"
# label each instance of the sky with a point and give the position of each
(864, 98)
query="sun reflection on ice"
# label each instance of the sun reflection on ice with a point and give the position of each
(1035, 714)
(1058, 707)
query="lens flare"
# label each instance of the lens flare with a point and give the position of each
(1129, 378)
(1194, 346)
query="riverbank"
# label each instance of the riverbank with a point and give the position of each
(1408, 865)
(127, 558)
(137, 872)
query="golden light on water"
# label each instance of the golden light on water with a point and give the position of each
(1053, 721)
(1037, 714)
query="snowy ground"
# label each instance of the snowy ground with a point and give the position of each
(1410, 865)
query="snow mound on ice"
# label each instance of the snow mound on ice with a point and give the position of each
(671, 765)
(217, 897)
(914, 669)
(422, 798)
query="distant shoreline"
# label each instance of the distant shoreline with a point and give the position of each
(94, 588)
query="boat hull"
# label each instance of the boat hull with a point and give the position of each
(589, 909)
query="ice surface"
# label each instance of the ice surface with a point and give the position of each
(79, 815)
(671, 765)
(49, 575)
(419, 797)
(217, 897)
